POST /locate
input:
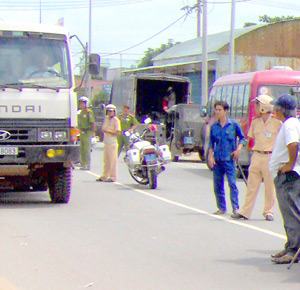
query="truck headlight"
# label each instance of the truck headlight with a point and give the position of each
(46, 135)
(60, 135)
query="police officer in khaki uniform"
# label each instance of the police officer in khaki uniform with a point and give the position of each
(111, 129)
(128, 123)
(263, 130)
(86, 125)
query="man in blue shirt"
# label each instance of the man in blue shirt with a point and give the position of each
(225, 144)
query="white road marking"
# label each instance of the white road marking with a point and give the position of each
(178, 204)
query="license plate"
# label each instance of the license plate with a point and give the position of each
(188, 140)
(9, 150)
(150, 157)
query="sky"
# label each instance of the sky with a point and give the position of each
(120, 24)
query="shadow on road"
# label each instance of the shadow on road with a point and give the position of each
(25, 199)
(265, 265)
(199, 171)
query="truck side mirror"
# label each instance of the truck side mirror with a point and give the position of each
(94, 64)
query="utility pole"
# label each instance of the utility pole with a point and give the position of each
(231, 42)
(40, 11)
(204, 85)
(199, 18)
(89, 47)
(121, 63)
(87, 75)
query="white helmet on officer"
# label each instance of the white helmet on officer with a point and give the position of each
(111, 107)
(265, 103)
(84, 99)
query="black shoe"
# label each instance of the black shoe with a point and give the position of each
(238, 216)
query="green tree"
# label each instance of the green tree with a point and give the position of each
(150, 53)
(100, 98)
(268, 19)
(247, 24)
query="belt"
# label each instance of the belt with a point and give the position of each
(263, 152)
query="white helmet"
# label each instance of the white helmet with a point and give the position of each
(83, 99)
(265, 103)
(110, 107)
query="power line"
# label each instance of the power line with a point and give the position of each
(276, 4)
(17, 5)
(149, 38)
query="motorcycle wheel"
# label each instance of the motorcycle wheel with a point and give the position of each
(140, 180)
(152, 175)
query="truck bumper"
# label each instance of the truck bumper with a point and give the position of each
(29, 154)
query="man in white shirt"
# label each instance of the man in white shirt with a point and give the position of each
(285, 168)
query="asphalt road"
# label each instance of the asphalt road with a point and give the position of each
(123, 236)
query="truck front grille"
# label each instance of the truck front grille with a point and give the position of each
(18, 135)
(25, 131)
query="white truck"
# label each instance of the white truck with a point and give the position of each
(37, 110)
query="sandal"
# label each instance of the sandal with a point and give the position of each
(101, 179)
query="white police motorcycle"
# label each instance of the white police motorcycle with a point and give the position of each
(145, 159)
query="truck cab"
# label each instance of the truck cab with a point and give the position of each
(37, 110)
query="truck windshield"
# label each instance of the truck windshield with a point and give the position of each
(27, 61)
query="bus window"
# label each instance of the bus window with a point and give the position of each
(239, 101)
(276, 91)
(233, 101)
(229, 94)
(246, 99)
(218, 94)
(224, 93)
(211, 100)
(215, 95)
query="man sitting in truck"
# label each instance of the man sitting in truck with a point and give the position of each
(40, 66)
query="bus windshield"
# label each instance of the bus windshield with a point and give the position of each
(34, 62)
(277, 90)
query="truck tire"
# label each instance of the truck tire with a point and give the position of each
(59, 182)
(39, 187)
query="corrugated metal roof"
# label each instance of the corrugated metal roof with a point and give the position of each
(194, 46)
(165, 66)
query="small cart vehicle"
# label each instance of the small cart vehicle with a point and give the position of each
(184, 125)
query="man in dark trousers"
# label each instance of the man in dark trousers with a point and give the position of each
(285, 168)
(225, 143)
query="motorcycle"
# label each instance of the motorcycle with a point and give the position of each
(145, 159)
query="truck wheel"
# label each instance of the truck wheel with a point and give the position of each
(39, 187)
(152, 176)
(59, 182)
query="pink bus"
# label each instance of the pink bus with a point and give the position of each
(240, 91)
